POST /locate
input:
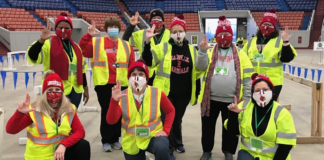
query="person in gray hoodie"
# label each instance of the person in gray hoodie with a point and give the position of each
(228, 75)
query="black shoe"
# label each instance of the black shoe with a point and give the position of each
(228, 156)
(206, 156)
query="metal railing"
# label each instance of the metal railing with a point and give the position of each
(310, 24)
(127, 17)
(200, 23)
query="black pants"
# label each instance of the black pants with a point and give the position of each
(75, 98)
(109, 133)
(229, 141)
(150, 82)
(79, 151)
(277, 92)
(180, 104)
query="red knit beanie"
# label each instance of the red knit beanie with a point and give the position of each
(224, 25)
(139, 63)
(257, 77)
(180, 21)
(52, 80)
(271, 17)
(63, 17)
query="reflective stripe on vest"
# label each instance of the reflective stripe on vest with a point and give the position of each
(143, 41)
(250, 41)
(132, 42)
(160, 71)
(152, 124)
(96, 55)
(45, 141)
(40, 123)
(264, 150)
(272, 64)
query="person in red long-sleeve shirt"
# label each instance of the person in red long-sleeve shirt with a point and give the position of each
(110, 58)
(54, 130)
(139, 106)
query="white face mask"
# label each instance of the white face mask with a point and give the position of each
(262, 98)
(137, 82)
(178, 37)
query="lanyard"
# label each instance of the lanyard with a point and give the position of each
(56, 127)
(256, 118)
(69, 48)
(262, 41)
(220, 51)
(142, 106)
(158, 40)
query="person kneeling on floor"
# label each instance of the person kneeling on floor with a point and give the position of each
(139, 106)
(54, 130)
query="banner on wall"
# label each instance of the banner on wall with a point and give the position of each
(194, 40)
(318, 46)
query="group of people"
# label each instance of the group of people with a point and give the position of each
(146, 99)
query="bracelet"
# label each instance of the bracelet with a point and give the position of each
(285, 41)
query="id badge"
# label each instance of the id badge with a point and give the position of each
(115, 65)
(221, 70)
(256, 143)
(258, 57)
(72, 67)
(142, 131)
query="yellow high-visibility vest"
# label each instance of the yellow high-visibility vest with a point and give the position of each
(147, 116)
(162, 57)
(138, 40)
(44, 58)
(271, 65)
(99, 62)
(246, 70)
(280, 130)
(41, 135)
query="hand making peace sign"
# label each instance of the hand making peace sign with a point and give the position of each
(92, 29)
(46, 33)
(149, 34)
(116, 92)
(134, 20)
(233, 107)
(23, 107)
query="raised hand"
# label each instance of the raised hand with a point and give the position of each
(46, 33)
(92, 29)
(116, 92)
(134, 19)
(204, 44)
(285, 36)
(23, 107)
(233, 107)
(150, 33)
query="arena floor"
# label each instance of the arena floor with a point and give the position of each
(298, 95)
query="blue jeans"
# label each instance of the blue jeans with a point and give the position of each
(74, 97)
(159, 146)
(244, 155)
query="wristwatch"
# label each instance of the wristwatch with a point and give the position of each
(285, 41)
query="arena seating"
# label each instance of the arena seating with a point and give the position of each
(44, 14)
(253, 5)
(301, 5)
(108, 6)
(192, 24)
(38, 4)
(293, 20)
(15, 19)
(99, 19)
(188, 6)
(143, 6)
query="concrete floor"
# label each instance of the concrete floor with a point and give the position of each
(298, 95)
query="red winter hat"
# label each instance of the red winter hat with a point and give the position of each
(139, 63)
(224, 25)
(52, 80)
(180, 21)
(257, 77)
(271, 17)
(63, 17)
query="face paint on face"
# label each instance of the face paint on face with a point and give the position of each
(54, 97)
(137, 82)
(267, 30)
(178, 37)
(262, 98)
(224, 40)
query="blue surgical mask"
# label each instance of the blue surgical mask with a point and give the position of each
(113, 32)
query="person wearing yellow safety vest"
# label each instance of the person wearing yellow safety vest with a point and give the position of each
(227, 75)
(60, 53)
(266, 128)
(110, 58)
(139, 106)
(240, 40)
(268, 51)
(54, 131)
(176, 75)
(137, 39)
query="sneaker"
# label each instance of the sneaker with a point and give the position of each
(116, 145)
(180, 149)
(106, 147)
(172, 157)
(228, 156)
(206, 156)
